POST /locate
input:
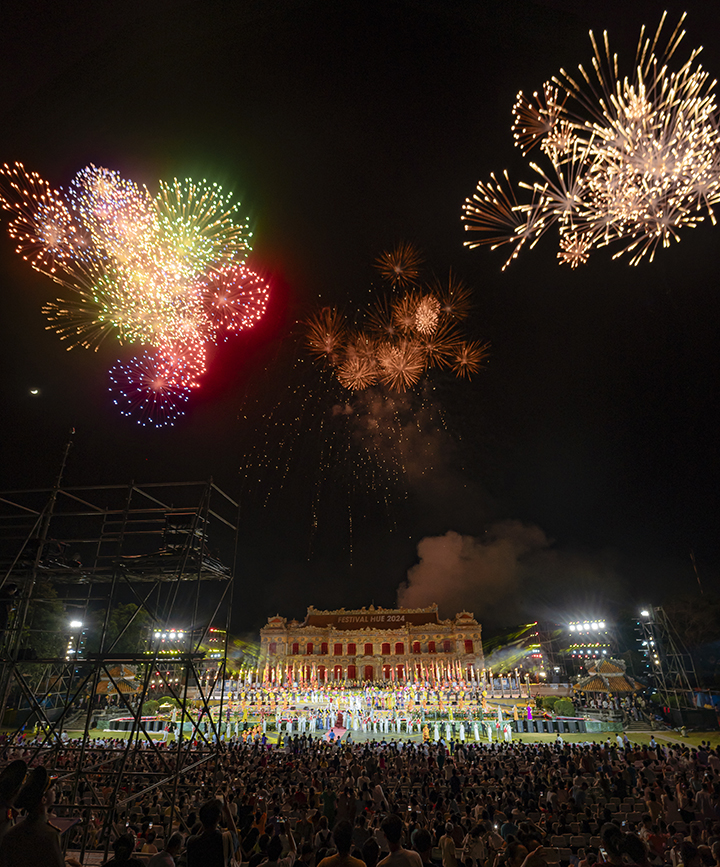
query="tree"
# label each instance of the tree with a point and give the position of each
(44, 634)
(564, 707)
(132, 640)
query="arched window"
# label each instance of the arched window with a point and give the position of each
(352, 650)
(386, 649)
(337, 672)
(431, 647)
(386, 671)
(368, 672)
(399, 648)
(295, 648)
(469, 645)
(273, 647)
(310, 648)
(352, 672)
(338, 650)
(400, 672)
(368, 650)
(447, 647)
(416, 647)
(324, 649)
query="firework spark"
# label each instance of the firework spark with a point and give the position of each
(166, 272)
(469, 358)
(427, 314)
(150, 388)
(401, 265)
(400, 339)
(235, 298)
(401, 364)
(633, 159)
(326, 332)
(42, 225)
(357, 372)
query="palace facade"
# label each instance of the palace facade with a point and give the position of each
(374, 644)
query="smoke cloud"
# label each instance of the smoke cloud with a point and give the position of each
(404, 446)
(513, 573)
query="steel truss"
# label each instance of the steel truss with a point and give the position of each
(670, 664)
(99, 547)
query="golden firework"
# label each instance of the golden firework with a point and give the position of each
(454, 296)
(400, 338)
(326, 332)
(42, 225)
(404, 309)
(401, 364)
(469, 358)
(534, 121)
(380, 319)
(357, 372)
(633, 159)
(574, 248)
(427, 314)
(442, 346)
(401, 265)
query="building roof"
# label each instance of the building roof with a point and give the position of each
(608, 675)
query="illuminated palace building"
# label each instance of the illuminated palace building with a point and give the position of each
(371, 644)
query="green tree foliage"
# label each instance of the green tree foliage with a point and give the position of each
(564, 707)
(150, 707)
(46, 628)
(45, 633)
(132, 639)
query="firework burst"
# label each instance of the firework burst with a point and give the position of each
(401, 265)
(150, 388)
(401, 364)
(632, 159)
(166, 272)
(235, 298)
(42, 224)
(400, 338)
(326, 332)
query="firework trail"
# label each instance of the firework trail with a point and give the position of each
(166, 272)
(321, 452)
(359, 424)
(630, 161)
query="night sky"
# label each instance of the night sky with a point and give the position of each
(577, 470)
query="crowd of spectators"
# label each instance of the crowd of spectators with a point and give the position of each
(309, 803)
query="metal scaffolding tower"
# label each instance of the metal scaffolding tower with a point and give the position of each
(668, 662)
(90, 550)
